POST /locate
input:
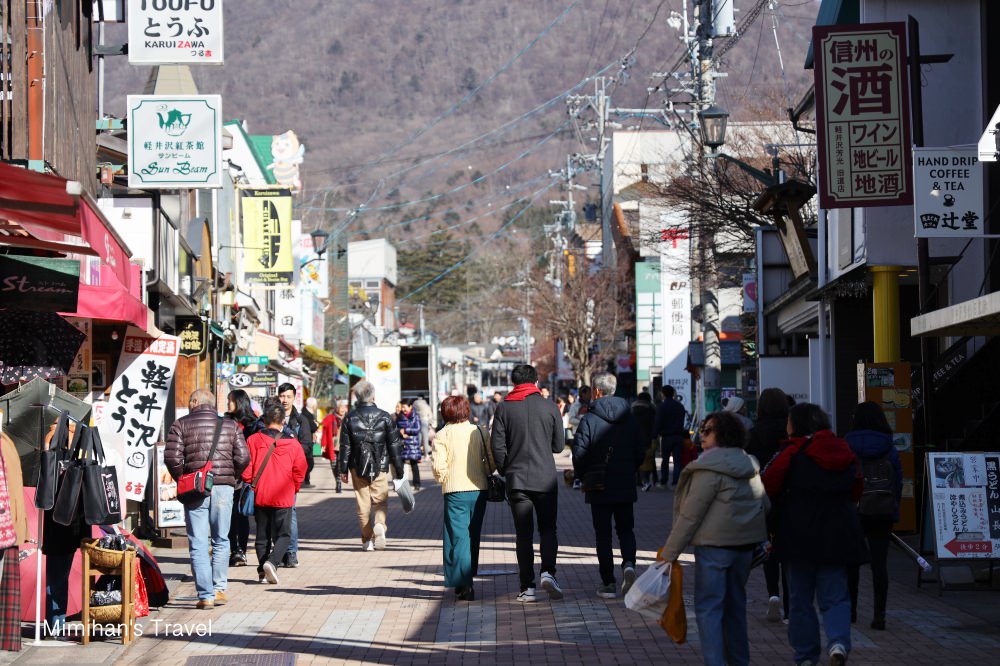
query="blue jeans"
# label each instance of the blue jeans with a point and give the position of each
(57, 568)
(293, 545)
(720, 604)
(209, 519)
(828, 584)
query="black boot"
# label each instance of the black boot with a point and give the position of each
(338, 487)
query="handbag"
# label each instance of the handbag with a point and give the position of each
(101, 502)
(496, 486)
(197, 485)
(595, 476)
(674, 618)
(49, 472)
(67, 505)
(246, 499)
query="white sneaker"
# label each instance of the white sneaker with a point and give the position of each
(550, 585)
(838, 655)
(270, 573)
(368, 546)
(527, 596)
(379, 538)
(774, 609)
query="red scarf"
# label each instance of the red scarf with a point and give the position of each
(522, 391)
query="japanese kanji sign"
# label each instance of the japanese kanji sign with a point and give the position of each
(165, 32)
(137, 403)
(949, 192)
(862, 115)
(267, 237)
(174, 141)
(965, 497)
(193, 332)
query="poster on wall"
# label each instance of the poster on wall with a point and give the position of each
(78, 380)
(178, 32)
(174, 141)
(965, 503)
(267, 237)
(137, 402)
(169, 511)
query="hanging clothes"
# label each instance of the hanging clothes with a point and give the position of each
(10, 600)
(15, 488)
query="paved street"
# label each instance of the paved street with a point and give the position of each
(347, 606)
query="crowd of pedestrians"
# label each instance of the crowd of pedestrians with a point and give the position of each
(782, 490)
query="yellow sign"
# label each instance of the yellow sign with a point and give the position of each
(267, 237)
(384, 366)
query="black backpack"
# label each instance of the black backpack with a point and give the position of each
(878, 499)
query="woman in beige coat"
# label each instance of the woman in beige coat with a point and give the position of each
(458, 463)
(719, 508)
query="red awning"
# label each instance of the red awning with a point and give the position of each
(39, 213)
(111, 303)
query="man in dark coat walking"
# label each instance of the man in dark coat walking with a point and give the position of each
(670, 428)
(527, 431)
(608, 439)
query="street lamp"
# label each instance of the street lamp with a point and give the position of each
(320, 241)
(713, 126)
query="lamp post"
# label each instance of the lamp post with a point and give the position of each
(320, 240)
(712, 122)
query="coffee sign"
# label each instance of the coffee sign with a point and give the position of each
(39, 284)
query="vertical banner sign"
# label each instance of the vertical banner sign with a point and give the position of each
(965, 499)
(862, 115)
(267, 237)
(675, 289)
(648, 319)
(78, 379)
(138, 399)
(174, 141)
(175, 32)
(949, 193)
(193, 333)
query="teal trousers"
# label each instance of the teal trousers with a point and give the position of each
(463, 525)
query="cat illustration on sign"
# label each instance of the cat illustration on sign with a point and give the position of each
(287, 153)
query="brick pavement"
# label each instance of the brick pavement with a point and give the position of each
(347, 606)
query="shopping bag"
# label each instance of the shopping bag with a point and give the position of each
(67, 504)
(650, 591)
(101, 503)
(406, 498)
(674, 618)
(49, 471)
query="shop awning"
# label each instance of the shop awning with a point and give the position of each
(355, 370)
(980, 316)
(37, 211)
(319, 356)
(110, 302)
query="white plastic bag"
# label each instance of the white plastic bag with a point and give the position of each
(650, 592)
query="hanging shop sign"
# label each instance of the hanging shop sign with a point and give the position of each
(79, 377)
(862, 115)
(267, 237)
(38, 283)
(174, 141)
(965, 503)
(137, 403)
(261, 379)
(949, 187)
(252, 360)
(193, 333)
(175, 32)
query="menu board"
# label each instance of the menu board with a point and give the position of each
(965, 504)
(888, 385)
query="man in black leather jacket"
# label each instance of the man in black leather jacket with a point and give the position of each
(368, 443)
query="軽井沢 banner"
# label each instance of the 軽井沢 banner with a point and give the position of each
(174, 141)
(862, 115)
(267, 237)
(175, 32)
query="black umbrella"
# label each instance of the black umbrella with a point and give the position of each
(36, 344)
(27, 425)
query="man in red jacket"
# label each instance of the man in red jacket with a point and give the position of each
(276, 471)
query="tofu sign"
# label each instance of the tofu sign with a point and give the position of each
(183, 32)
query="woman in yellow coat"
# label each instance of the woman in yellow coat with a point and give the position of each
(459, 450)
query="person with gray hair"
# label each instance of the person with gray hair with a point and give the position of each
(369, 441)
(192, 441)
(607, 453)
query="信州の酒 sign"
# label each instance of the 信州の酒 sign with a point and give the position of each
(175, 32)
(862, 115)
(949, 193)
(174, 141)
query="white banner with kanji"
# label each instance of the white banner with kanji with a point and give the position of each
(134, 415)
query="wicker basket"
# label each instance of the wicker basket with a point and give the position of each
(102, 557)
(106, 614)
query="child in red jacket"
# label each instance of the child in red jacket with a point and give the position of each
(276, 471)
